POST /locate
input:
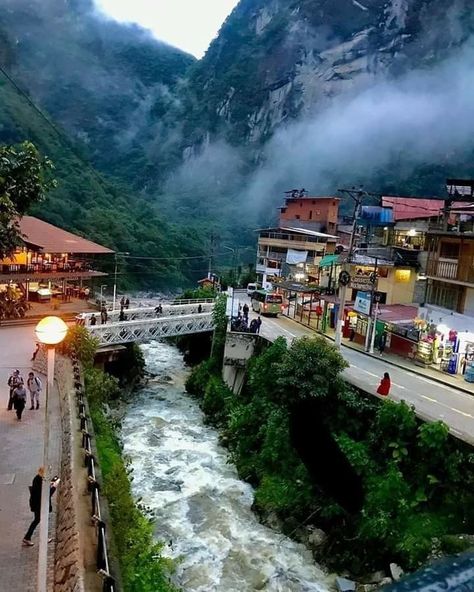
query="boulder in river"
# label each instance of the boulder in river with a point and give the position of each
(345, 585)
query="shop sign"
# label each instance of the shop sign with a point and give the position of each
(362, 282)
(362, 302)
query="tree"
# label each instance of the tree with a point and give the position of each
(25, 178)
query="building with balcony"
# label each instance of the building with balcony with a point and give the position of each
(49, 262)
(450, 270)
(291, 253)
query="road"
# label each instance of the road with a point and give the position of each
(432, 400)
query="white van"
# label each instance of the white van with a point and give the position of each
(251, 289)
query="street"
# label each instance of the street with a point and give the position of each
(432, 400)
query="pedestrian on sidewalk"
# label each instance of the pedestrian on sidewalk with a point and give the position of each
(93, 319)
(259, 323)
(19, 400)
(384, 386)
(15, 380)
(382, 342)
(103, 315)
(245, 310)
(35, 503)
(35, 386)
(35, 353)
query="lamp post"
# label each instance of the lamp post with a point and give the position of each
(50, 331)
(102, 286)
(233, 288)
(115, 275)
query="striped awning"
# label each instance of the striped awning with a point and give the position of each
(329, 260)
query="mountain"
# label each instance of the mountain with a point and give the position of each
(106, 84)
(291, 93)
(278, 60)
(91, 78)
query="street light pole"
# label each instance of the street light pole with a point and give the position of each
(233, 287)
(50, 331)
(357, 196)
(115, 276)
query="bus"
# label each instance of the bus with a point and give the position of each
(267, 303)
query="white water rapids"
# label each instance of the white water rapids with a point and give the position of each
(203, 510)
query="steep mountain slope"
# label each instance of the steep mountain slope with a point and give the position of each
(276, 60)
(106, 84)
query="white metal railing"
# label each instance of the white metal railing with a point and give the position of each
(143, 330)
(167, 310)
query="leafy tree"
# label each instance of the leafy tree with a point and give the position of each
(25, 178)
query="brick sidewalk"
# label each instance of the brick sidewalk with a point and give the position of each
(21, 452)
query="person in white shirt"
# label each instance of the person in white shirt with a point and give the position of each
(34, 386)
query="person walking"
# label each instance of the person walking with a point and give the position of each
(127, 303)
(35, 386)
(103, 315)
(93, 319)
(382, 343)
(159, 310)
(19, 400)
(15, 380)
(200, 309)
(259, 323)
(384, 386)
(245, 310)
(35, 353)
(35, 503)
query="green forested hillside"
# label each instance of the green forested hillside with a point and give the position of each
(101, 209)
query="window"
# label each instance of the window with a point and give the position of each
(311, 214)
(297, 216)
(449, 250)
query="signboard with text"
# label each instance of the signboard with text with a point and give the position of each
(362, 302)
(362, 282)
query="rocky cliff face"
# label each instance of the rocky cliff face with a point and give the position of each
(276, 60)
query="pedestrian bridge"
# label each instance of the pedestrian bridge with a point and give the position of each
(145, 324)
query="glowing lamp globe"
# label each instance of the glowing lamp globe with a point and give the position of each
(51, 330)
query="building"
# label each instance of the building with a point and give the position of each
(313, 213)
(49, 262)
(291, 253)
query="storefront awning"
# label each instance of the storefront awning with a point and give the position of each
(329, 260)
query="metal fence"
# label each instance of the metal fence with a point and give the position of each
(102, 557)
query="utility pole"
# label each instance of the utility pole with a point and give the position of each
(357, 195)
(373, 280)
(211, 255)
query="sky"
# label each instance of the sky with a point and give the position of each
(188, 24)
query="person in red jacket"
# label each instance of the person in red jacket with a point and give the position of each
(384, 386)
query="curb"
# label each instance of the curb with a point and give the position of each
(397, 365)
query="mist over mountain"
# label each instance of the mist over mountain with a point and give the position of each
(313, 93)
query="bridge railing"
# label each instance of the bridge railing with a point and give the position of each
(142, 330)
(167, 310)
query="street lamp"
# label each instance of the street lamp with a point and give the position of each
(50, 331)
(115, 276)
(233, 288)
(102, 286)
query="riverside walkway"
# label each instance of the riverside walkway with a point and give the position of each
(21, 454)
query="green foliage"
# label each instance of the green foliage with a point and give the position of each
(310, 369)
(25, 178)
(80, 341)
(418, 481)
(142, 567)
(198, 293)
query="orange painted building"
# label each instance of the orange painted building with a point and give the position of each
(313, 213)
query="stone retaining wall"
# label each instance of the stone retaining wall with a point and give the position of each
(67, 575)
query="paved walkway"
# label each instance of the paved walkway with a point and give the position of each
(21, 451)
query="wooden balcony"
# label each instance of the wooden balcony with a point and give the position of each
(451, 270)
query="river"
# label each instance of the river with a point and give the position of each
(202, 508)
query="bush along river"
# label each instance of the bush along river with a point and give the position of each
(202, 508)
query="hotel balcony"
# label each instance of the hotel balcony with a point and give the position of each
(18, 272)
(451, 271)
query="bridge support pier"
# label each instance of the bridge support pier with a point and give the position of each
(239, 348)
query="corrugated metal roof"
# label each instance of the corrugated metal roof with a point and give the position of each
(52, 239)
(411, 208)
(329, 260)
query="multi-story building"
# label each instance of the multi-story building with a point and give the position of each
(293, 253)
(450, 270)
(314, 213)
